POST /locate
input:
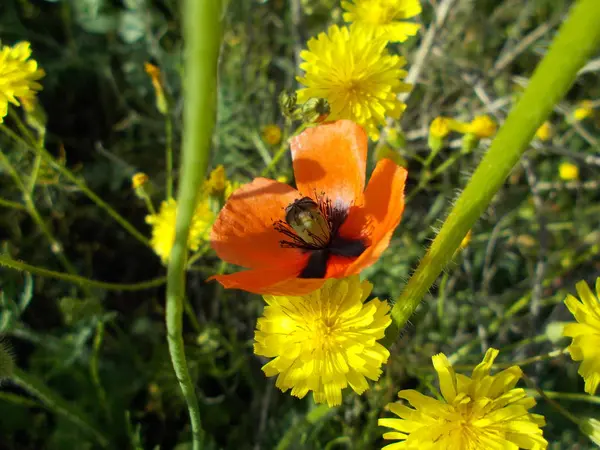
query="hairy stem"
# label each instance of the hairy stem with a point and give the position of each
(577, 39)
(202, 33)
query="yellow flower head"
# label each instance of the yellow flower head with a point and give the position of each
(163, 227)
(544, 132)
(585, 346)
(482, 127)
(18, 76)
(354, 72)
(324, 341)
(440, 127)
(568, 171)
(271, 134)
(383, 17)
(585, 109)
(138, 180)
(480, 412)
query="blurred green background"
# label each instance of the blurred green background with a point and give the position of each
(104, 352)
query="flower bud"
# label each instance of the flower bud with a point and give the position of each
(288, 104)
(315, 110)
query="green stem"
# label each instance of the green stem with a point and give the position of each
(55, 246)
(283, 147)
(34, 173)
(81, 281)
(169, 153)
(523, 302)
(57, 405)
(13, 205)
(578, 38)
(523, 362)
(202, 34)
(551, 402)
(315, 415)
(587, 398)
(77, 182)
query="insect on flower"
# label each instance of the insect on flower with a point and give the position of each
(329, 227)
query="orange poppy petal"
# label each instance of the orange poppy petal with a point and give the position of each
(331, 158)
(243, 233)
(272, 281)
(376, 220)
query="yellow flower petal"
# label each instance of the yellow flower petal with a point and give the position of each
(585, 345)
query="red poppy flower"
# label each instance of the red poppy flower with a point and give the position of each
(329, 227)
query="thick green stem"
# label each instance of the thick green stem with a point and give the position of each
(576, 41)
(169, 154)
(202, 34)
(76, 279)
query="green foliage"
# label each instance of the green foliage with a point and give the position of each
(93, 361)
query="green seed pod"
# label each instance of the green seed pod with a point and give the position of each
(306, 219)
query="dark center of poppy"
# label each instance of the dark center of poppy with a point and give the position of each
(314, 227)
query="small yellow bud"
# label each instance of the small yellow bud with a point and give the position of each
(138, 180)
(584, 110)
(544, 132)
(282, 179)
(440, 127)
(156, 78)
(568, 171)
(482, 127)
(271, 134)
(217, 181)
(466, 240)
(315, 110)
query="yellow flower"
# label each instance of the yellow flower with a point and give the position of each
(584, 110)
(163, 227)
(585, 346)
(382, 17)
(138, 180)
(354, 72)
(271, 134)
(324, 341)
(482, 127)
(480, 412)
(18, 76)
(440, 127)
(544, 132)
(568, 171)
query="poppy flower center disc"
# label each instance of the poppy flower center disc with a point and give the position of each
(313, 226)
